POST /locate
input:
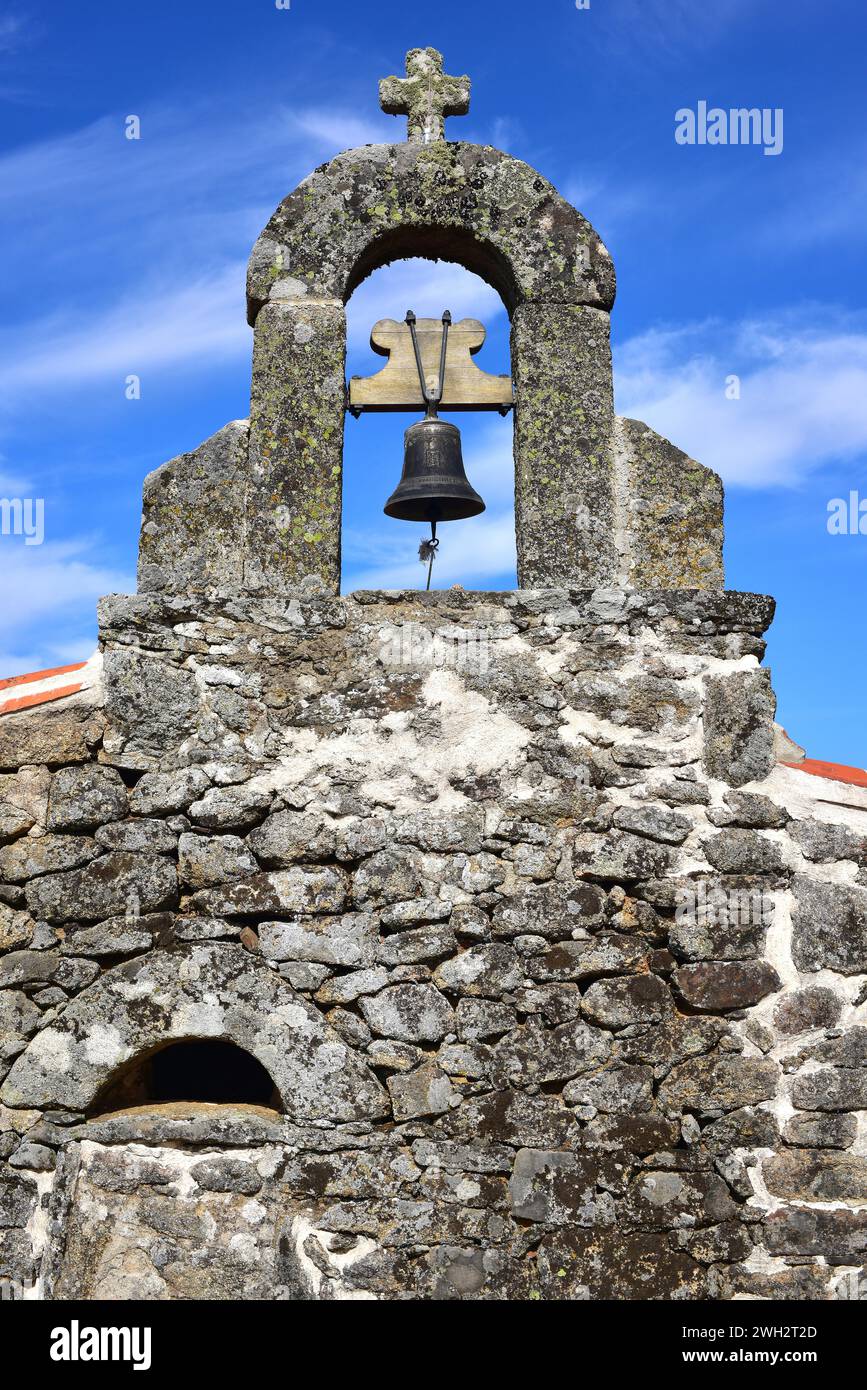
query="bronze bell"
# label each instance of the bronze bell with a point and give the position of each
(433, 486)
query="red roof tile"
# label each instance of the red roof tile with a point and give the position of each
(48, 686)
(41, 675)
(42, 697)
(835, 772)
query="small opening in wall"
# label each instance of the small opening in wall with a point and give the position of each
(378, 552)
(204, 1072)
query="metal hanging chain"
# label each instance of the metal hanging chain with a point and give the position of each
(428, 549)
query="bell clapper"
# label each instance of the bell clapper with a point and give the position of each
(427, 550)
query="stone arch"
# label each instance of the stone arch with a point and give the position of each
(453, 201)
(497, 217)
(209, 991)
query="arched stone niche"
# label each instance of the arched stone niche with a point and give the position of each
(598, 500)
(214, 991)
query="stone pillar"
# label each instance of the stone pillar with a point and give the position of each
(564, 417)
(192, 534)
(296, 446)
(672, 508)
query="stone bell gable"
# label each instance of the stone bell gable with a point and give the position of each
(437, 945)
(597, 500)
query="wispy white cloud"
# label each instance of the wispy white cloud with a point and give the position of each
(628, 212)
(150, 328)
(669, 29)
(157, 326)
(13, 484)
(803, 393)
(94, 210)
(185, 152)
(836, 210)
(504, 132)
(149, 269)
(491, 464)
(335, 131)
(55, 588)
(611, 205)
(167, 222)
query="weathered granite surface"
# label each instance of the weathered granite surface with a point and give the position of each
(552, 1010)
(296, 446)
(492, 212)
(672, 531)
(564, 418)
(194, 516)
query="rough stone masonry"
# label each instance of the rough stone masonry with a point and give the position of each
(558, 979)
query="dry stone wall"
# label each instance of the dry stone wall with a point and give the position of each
(560, 982)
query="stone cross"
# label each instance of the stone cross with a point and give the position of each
(426, 96)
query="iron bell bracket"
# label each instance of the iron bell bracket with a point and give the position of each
(430, 398)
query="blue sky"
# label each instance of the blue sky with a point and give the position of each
(125, 257)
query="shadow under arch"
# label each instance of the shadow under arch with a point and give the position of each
(456, 245)
(191, 1071)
